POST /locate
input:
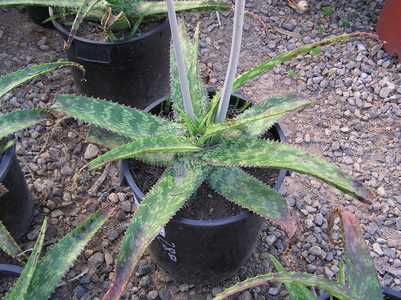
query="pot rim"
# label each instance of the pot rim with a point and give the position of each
(139, 195)
(65, 32)
(10, 270)
(5, 162)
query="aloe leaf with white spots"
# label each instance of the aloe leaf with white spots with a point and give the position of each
(20, 290)
(174, 188)
(7, 243)
(197, 91)
(47, 3)
(245, 190)
(269, 154)
(360, 274)
(18, 120)
(159, 8)
(281, 58)
(148, 145)
(12, 80)
(287, 277)
(267, 111)
(52, 267)
(110, 140)
(125, 121)
(296, 291)
(358, 282)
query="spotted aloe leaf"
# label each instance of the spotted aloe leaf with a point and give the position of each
(252, 118)
(52, 268)
(47, 3)
(125, 121)
(147, 145)
(111, 140)
(19, 120)
(297, 291)
(269, 65)
(360, 275)
(103, 137)
(277, 106)
(7, 243)
(15, 79)
(245, 190)
(20, 290)
(197, 91)
(174, 188)
(261, 69)
(287, 277)
(263, 153)
(155, 8)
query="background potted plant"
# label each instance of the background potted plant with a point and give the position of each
(40, 276)
(125, 50)
(15, 199)
(201, 145)
(40, 15)
(357, 278)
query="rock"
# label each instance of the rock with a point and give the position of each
(56, 213)
(316, 250)
(398, 224)
(245, 296)
(216, 290)
(274, 291)
(335, 146)
(144, 269)
(112, 235)
(66, 171)
(377, 249)
(271, 239)
(381, 191)
(385, 92)
(291, 201)
(348, 160)
(96, 259)
(91, 152)
(113, 197)
(319, 220)
(290, 25)
(152, 295)
(108, 258)
(126, 206)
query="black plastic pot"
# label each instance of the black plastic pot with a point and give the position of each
(39, 14)
(389, 294)
(200, 252)
(10, 270)
(133, 72)
(16, 205)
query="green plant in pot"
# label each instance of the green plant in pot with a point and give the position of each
(15, 199)
(41, 276)
(357, 278)
(198, 144)
(123, 44)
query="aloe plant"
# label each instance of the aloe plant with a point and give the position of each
(7, 244)
(357, 279)
(117, 15)
(15, 121)
(41, 276)
(195, 146)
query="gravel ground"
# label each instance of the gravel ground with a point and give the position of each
(355, 123)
